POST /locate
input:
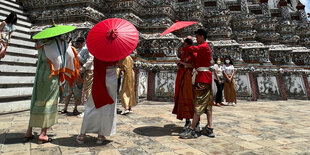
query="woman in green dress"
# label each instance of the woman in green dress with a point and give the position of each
(43, 109)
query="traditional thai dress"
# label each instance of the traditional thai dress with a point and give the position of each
(88, 68)
(203, 98)
(128, 85)
(54, 66)
(229, 87)
(100, 111)
(183, 99)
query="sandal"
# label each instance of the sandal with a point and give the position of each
(27, 139)
(42, 141)
(80, 139)
(75, 112)
(100, 140)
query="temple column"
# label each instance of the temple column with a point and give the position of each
(244, 6)
(281, 86)
(137, 77)
(150, 85)
(302, 13)
(221, 4)
(265, 8)
(304, 76)
(284, 9)
(253, 87)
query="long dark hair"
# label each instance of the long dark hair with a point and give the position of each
(11, 18)
(188, 41)
(228, 58)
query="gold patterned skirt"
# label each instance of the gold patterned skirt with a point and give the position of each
(203, 98)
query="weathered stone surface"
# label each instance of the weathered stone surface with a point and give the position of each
(277, 127)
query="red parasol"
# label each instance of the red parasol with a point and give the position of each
(177, 26)
(109, 41)
(112, 39)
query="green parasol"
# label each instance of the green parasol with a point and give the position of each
(53, 31)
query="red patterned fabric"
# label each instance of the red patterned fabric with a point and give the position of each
(204, 57)
(100, 94)
(183, 99)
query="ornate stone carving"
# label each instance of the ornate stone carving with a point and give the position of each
(265, 8)
(226, 48)
(151, 46)
(143, 78)
(301, 56)
(164, 84)
(294, 86)
(268, 86)
(280, 55)
(255, 53)
(242, 83)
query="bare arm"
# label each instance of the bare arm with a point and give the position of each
(188, 65)
(232, 74)
(216, 76)
(89, 61)
(2, 26)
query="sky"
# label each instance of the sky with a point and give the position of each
(307, 4)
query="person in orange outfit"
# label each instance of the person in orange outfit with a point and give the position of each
(183, 99)
(203, 98)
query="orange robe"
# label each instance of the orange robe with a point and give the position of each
(183, 99)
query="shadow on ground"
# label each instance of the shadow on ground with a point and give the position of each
(156, 131)
(71, 142)
(18, 138)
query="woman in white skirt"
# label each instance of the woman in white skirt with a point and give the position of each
(101, 119)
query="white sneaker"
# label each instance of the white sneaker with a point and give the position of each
(124, 112)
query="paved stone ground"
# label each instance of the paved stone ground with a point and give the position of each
(274, 127)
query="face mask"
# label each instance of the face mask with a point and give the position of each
(227, 61)
(218, 62)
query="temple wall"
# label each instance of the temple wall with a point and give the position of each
(268, 40)
(267, 84)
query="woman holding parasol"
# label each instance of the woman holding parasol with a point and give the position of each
(57, 62)
(108, 41)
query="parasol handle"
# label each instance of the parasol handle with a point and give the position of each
(181, 33)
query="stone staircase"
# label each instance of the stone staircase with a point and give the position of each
(17, 69)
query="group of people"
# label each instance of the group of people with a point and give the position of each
(82, 85)
(191, 101)
(224, 79)
(70, 69)
(193, 89)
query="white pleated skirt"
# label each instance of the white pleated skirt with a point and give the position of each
(102, 121)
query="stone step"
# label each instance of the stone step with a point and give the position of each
(12, 6)
(4, 80)
(20, 50)
(4, 68)
(28, 44)
(22, 22)
(21, 35)
(15, 92)
(19, 59)
(5, 11)
(15, 106)
(22, 29)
